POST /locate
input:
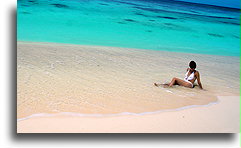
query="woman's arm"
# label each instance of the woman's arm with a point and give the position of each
(198, 80)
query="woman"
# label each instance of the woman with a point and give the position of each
(191, 76)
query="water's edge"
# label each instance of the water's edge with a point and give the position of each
(142, 49)
(112, 115)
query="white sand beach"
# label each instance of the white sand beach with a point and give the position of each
(54, 78)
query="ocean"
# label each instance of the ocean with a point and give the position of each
(143, 24)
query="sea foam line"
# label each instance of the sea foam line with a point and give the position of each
(111, 115)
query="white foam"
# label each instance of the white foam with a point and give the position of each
(169, 91)
(111, 115)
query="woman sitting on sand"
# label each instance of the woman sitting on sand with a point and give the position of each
(189, 79)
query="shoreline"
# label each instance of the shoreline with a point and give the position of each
(126, 48)
(74, 114)
(218, 118)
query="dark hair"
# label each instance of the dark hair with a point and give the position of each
(192, 65)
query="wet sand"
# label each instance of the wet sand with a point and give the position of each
(218, 118)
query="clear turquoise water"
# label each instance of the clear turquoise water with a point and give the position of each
(144, 24)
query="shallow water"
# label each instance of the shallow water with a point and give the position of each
(56, 78)
(156, 25)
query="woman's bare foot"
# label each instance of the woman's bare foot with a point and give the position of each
(163, 85)
(156, 84)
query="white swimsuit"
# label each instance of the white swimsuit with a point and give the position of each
(190, 77)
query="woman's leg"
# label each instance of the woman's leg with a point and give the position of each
(179, 82)
(173, 82)
(163, 85)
